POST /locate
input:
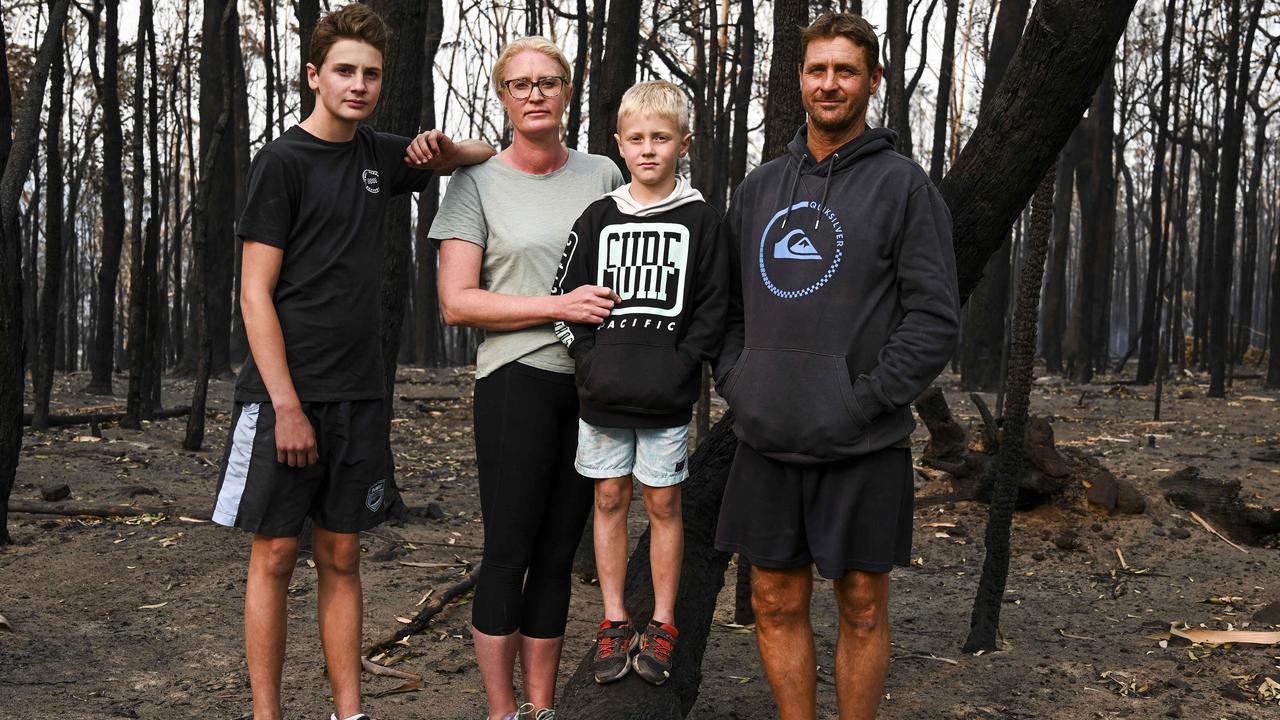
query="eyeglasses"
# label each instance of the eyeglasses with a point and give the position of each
(522, 88)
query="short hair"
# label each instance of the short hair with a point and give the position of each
(845, 25)
(350, 22)
(536, 43)
(659, 98)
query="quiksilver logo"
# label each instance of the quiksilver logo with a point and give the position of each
(370, 178)
(808, 232)
(377, 492)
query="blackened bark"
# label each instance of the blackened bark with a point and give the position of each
(986, 313)
(25, 121)
(742, 93)
(1225, 232)
(1273, 345)
(937, 158)
(579, 73)
(154, 304)
(399, 111)
(897, 117)
(308, 14)
(51, 291)
(1053, 315)
(783, 112)
(429, 346)
(985, 620)
(139, 291)
(101, 355)
(621, 52)
(1245, 333)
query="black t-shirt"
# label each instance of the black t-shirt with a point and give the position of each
(323, 203)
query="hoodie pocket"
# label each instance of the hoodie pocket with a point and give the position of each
(641, 378)
(795, 404)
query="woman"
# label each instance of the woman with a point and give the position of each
(502, 227)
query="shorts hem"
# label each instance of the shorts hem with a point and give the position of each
(259, 527)
(764, 562)
(601, 473)
(663, 481)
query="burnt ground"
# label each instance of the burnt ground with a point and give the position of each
(141, 617)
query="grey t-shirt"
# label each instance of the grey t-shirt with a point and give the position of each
(522, 221)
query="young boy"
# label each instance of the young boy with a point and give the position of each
(654, 243)
(310, 435)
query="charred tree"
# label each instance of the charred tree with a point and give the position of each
(140, 276)
(783, 112)
(897, 115)
(1053, 312)
(101, 354)
(580, 57)
(17, 156)
(308, 14)
(985, 621)
(54, 254)
(621, 49)
(1225, 231)
(937, 158)
(742, 93)
(429, 345)
(1248, 263)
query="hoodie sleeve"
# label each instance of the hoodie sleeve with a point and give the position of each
(734, 328)
(925, 338)
(710, 296)
(573, 272)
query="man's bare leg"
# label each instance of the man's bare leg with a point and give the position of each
(613, 501)
(496, 656)
(862, 649)
(666, 548)
(337, 557)
(539, 659)
(266, 619)
(784, 634)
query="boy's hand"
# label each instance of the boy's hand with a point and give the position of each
(295, 438)
(432, 150)
(588, 304)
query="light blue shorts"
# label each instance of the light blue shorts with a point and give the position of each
(657, 457)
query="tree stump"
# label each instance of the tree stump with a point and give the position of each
(1219, 502)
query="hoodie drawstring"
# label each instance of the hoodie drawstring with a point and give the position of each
(825, 187)
(791, 199)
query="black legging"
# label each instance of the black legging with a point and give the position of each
(534, 503)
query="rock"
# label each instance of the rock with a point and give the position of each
(1040, 449)
(133, 491)
(1269, 615)
(1180, 532)
(1038, 556)
(432, 511)
(1102, 491)
(1066, 540)
(54, 493)
(389, 553)
(1231, 691)
(1179, 683)
(1128, 500)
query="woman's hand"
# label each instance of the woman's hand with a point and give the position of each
(588, 304)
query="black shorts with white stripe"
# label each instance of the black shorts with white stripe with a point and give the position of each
(351, 488)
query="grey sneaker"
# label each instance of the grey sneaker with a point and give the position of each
(614, 643)
(522, 713)
(657, 645)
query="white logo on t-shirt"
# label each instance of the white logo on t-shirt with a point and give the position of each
(370, 178)
(645, 264)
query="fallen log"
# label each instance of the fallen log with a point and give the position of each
(1219, 501)
(101, 511)
(419, 622)
(701, 579)
(105, 417)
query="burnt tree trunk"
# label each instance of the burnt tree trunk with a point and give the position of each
(783, 112)
(426, 305)
(1053, 314)
(621, 50)
(1225, 231)
(101, 354)
(1008, 470)
(937, 158)
(308, 14)
(17, 156)
(580, 57)
(139, 280)
(897, 117)
(54, 254)
(1249, 263)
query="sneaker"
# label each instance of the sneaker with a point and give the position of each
(361, 716)
(521, 713)
(614, 643)
(658, 643)
(545, 714)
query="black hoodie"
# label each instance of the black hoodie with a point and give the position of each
(641, 367)
(844, 302)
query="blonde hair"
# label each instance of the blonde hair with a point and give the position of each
(658, 98)
(536, 43)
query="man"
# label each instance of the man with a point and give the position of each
(844, 308)
(310, 435)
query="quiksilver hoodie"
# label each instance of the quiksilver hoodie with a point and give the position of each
(844, 304)
(640, 368)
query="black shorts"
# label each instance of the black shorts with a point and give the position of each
(350, 489)
(846, 515)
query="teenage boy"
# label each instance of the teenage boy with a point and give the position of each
(310, 436)
(844, 309)
(654, 242)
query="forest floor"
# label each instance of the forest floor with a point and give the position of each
(141, 618)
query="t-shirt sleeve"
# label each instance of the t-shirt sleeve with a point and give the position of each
(461, 214)
(268, 208)
(402, 178)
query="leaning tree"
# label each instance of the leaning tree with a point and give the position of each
(1051, 80)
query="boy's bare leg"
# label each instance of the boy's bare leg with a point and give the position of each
(496, 656)
(266, 619)
(666, 548)
(784, 635)
(337, 557)
(862, 649)
(539, 658)
(613, 501)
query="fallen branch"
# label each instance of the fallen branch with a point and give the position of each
(1211, 529)
(100, 511)
(104, 417)
(424, 616)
